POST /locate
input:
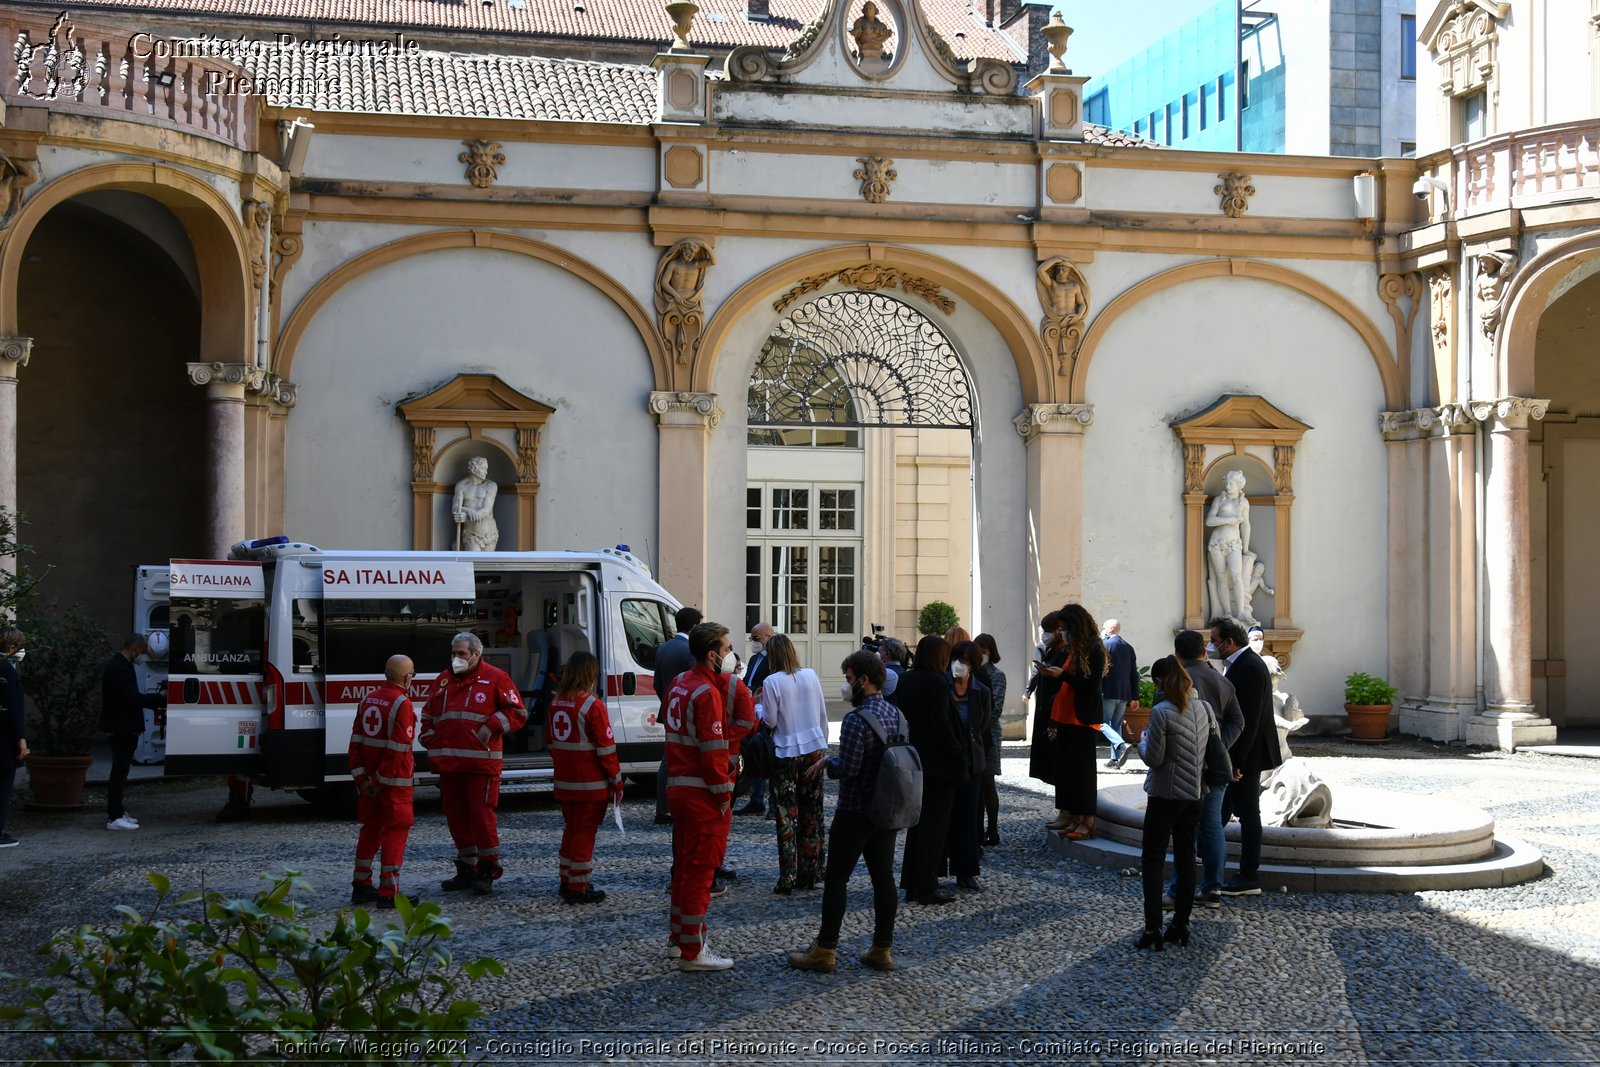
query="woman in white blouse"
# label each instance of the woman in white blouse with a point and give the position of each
(793, 707)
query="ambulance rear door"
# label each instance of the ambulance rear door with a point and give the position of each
(637, 621)
(376, 608)
(215, 689)
(151, 618)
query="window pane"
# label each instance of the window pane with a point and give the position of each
(790, 594)
(1408, 46)
(752, 508)
(641, 625)
(359, 636)
(222, 637)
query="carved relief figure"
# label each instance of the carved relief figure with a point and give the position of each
(870, 33)
(875, 175)
(1236, 192)
(1494, 275)
(473, 510)
(1439, 301)
(680, 280)
(1228, 551)
(15, 176)
(1065, 297)
(484, 160)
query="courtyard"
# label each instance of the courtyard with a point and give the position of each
(1038, 968)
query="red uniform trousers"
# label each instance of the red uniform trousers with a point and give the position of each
(699, 840)
(582, 818)
(469, 804)
(385, 824)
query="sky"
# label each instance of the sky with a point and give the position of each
(1104, 34)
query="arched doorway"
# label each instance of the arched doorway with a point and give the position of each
(859, 504)
(1563, 504)
(111, 438)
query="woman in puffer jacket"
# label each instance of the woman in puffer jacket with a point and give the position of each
(1174, 748)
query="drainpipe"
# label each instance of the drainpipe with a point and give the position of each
(264, 310)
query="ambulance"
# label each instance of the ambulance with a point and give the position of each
(268, 653)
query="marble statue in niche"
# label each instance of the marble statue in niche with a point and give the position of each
(473, 509)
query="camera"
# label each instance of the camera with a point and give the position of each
(870, 642)
(1424, 185)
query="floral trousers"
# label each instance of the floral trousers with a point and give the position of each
(802, 840)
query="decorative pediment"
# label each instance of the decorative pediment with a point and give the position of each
(475, 400)
(1244, 417)
(871, 41)
(1462, 36)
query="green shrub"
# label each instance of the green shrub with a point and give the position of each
(1147, 689)
(936, 618)
(67, 654)
(16, 582)
(1367, 689)
(247, 979)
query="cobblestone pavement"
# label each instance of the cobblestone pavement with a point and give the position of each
(1039, 968)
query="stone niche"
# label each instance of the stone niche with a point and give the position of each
(1248, 434)
(469, 416)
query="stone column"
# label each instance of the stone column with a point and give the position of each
(225, 446)
(686, 421)
(1509, 720)
(1405, 437)
(1054, 436)
(14, 353)
(266, 400)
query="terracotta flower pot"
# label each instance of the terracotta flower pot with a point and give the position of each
(1369, 722)
(1133, 723)
(56, 782)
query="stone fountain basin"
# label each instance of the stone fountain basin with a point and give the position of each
(1380, 842)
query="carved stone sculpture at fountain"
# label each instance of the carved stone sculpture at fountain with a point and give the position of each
(1291, 795)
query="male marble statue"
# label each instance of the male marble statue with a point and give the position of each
(473, 511)
(1228, 551)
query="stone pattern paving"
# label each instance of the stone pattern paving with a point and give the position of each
(1038, 969)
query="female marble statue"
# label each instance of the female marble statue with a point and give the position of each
(1228, 576)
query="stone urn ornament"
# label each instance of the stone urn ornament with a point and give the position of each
(1056, 33)
(1368, 700)
(682, 13)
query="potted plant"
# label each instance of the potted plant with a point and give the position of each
(1368, 700)
(1137, 716)
(937, 617)
(66, 656)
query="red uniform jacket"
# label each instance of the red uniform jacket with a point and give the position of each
(697, 736)
(583, 749)
(459, 705)
(381, 736)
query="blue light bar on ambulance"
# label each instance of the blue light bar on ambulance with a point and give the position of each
(622, 552)
(269, 548)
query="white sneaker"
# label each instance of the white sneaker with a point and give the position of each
(123, 823)
(130, 818)
(706, 961)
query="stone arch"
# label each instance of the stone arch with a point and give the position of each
(1533, 289)
(308, 307)
(1394, 391)
(1038, 380)
(211, 222)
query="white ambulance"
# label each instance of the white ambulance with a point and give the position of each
(269, 652)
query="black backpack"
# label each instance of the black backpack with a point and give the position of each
(897, 794)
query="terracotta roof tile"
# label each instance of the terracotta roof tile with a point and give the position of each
(721, 24)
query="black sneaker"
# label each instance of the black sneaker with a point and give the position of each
(718, 887)
(363, 894)
(7, 841)
(387, 903)
(1240, 887)
(584, 896)
(727, 874)
(234, 811)
(1211, 898)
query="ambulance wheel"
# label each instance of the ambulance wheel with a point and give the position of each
(332, 798)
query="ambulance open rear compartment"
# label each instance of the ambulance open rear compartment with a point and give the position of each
(216, 614)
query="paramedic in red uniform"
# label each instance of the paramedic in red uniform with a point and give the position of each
(740, 706)
(382, 766)
(473, 705)
(587, 774)
(699, 792)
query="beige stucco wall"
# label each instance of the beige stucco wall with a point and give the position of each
(933, 526)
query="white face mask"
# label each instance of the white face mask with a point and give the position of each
(19, 655)
(730, 663)
(1211, 651)
(1257, 643)
(458, 664)
(844, 691)
(958, 670)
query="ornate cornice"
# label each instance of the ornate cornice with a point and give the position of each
(684, 408)
(868, 278)
(1509, 412)
(1040, 420)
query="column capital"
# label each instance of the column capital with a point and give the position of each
(273, 389)
(1042, 420)
(686, 409)
(1509, 412)
(14, 352)
(226, 381)
(1414, 424)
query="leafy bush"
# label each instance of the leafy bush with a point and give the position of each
(936, 618)
(15, 580)
(248, 980)
(1368, 690)
(67, 653)
(1147, 689)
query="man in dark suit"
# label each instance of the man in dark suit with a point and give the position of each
(672, 659)
(1120, 687)
(122, 716)
(754, 675)
(1253, 751)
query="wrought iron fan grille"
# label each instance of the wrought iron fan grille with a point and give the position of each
(859, 359)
